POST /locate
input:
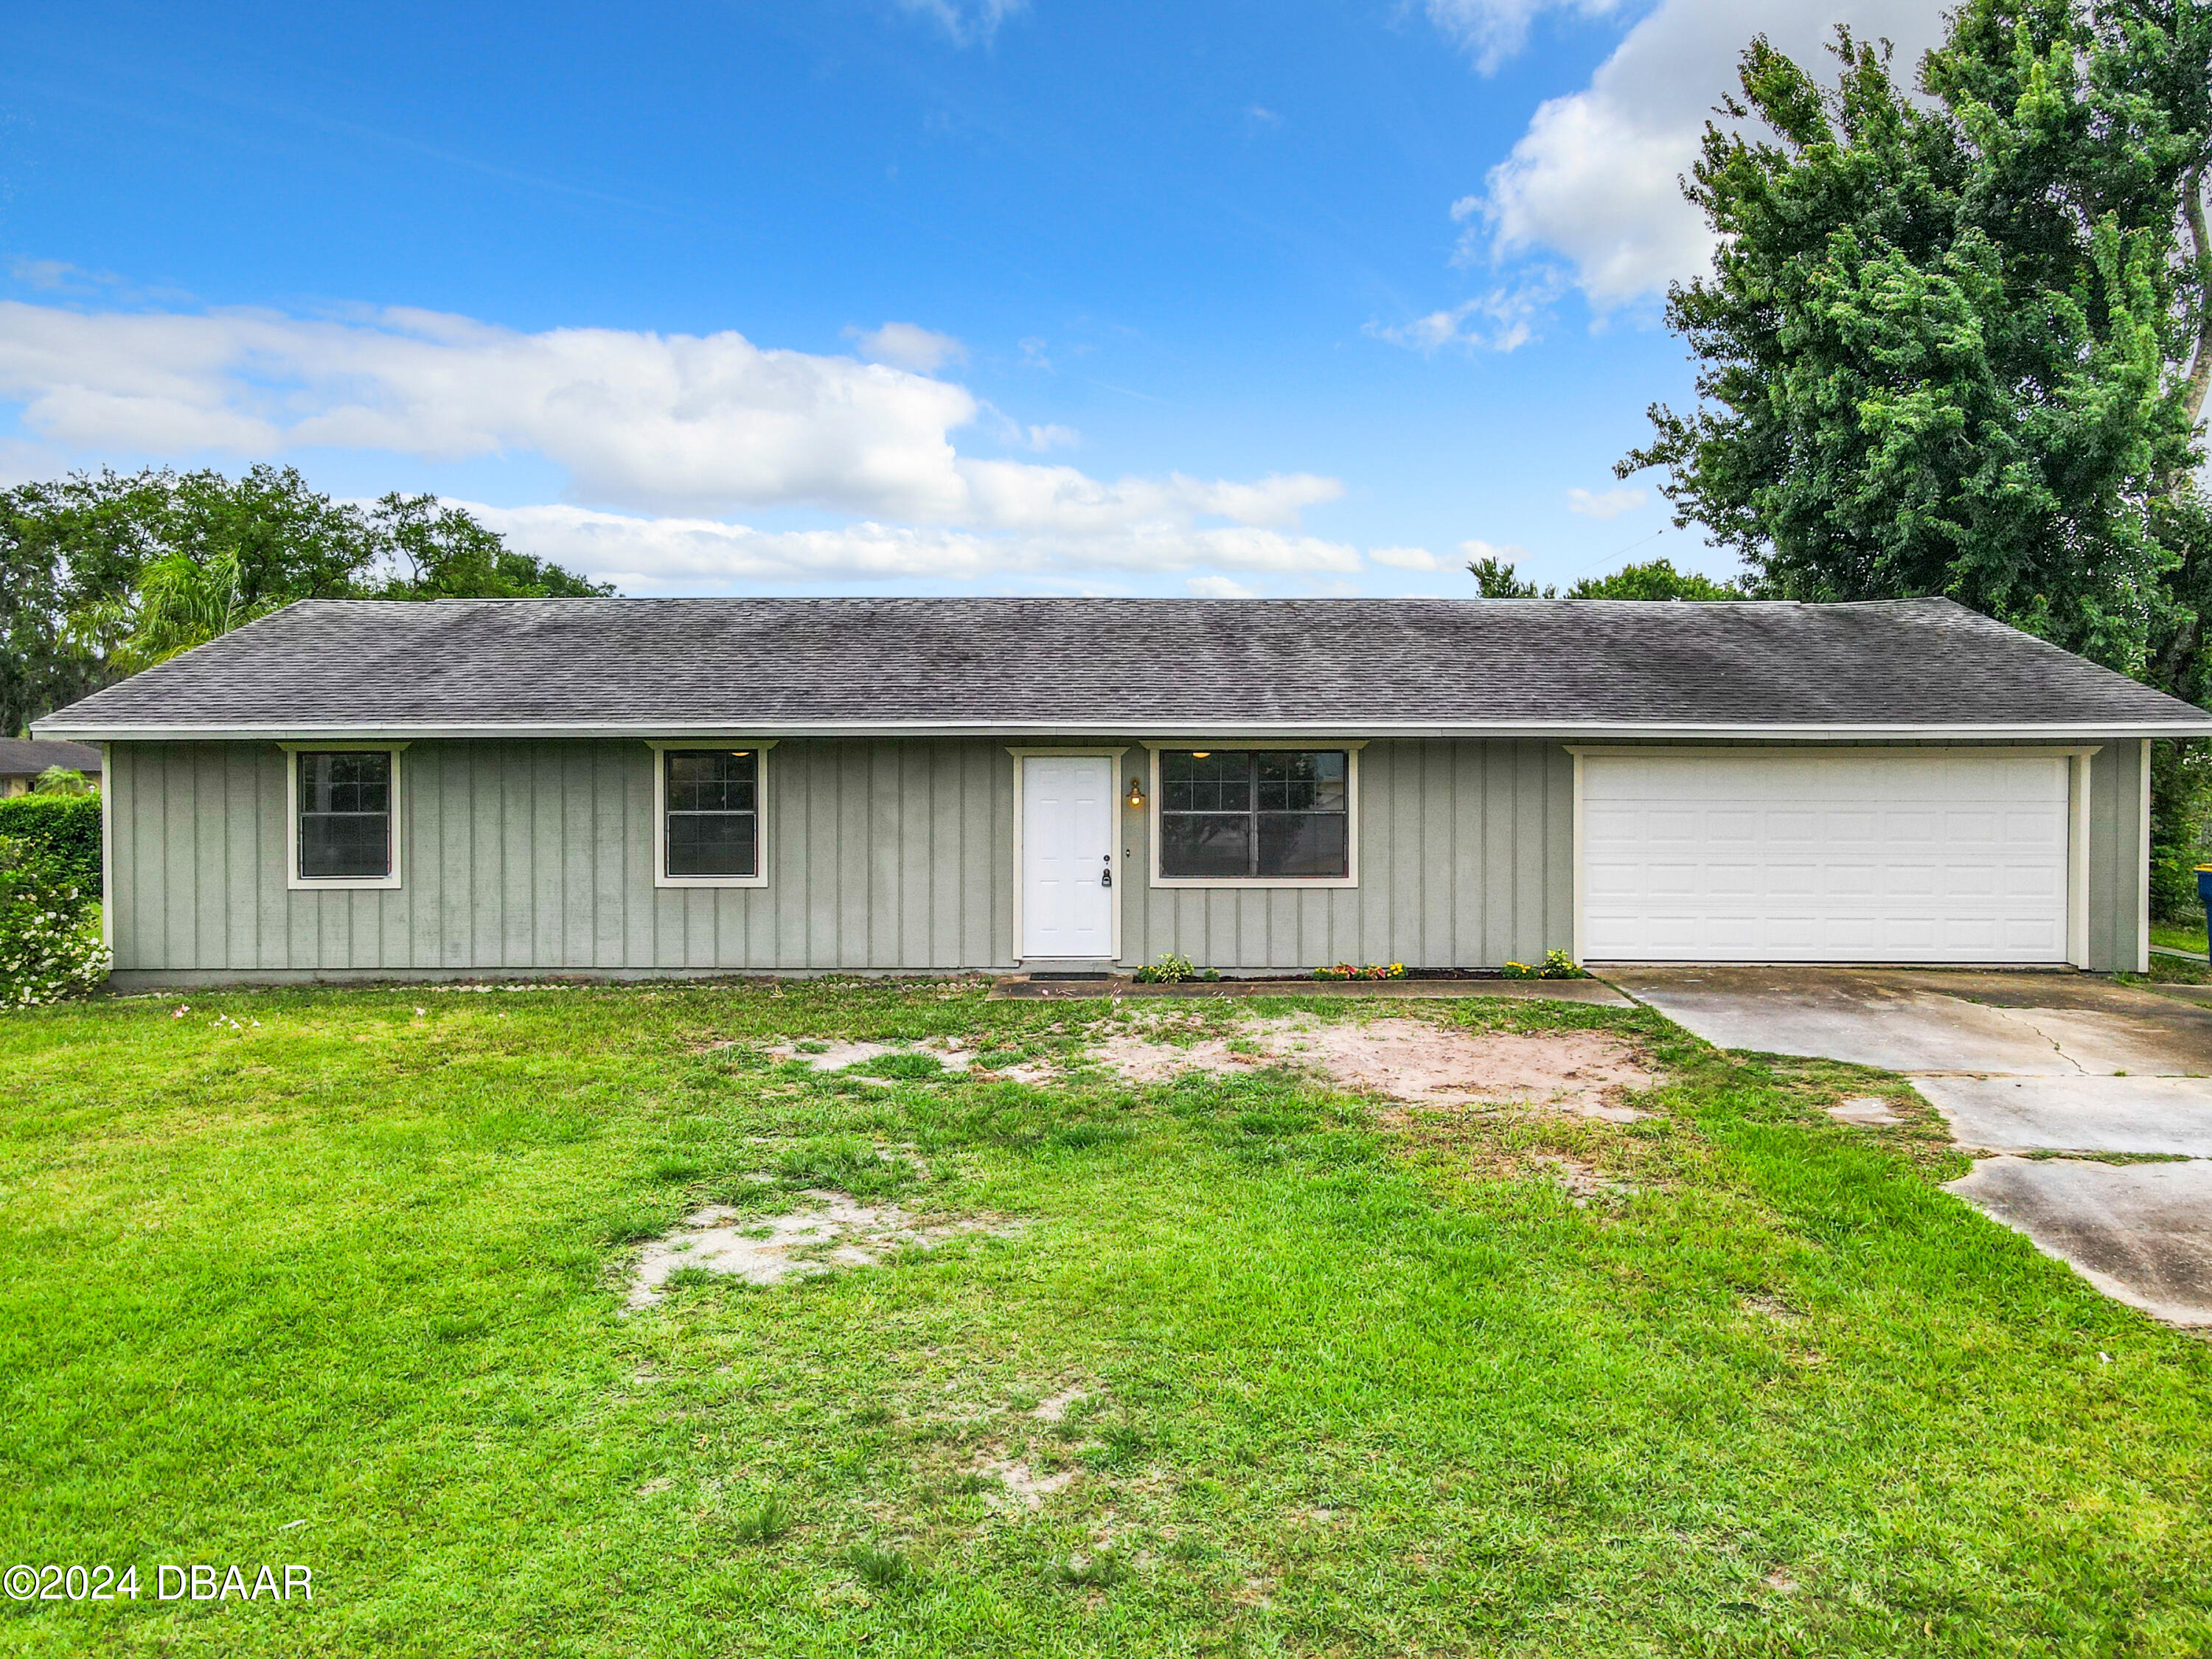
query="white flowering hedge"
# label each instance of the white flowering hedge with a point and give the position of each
(50, 947)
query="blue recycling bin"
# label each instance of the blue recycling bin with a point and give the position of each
(2204, 896)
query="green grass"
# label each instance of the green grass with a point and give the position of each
(2178, 935)
(316, 1278)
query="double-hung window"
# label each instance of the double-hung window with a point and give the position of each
(1255, 814)
(710, 815)
(344, 817)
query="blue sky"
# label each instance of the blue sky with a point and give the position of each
(886, 296)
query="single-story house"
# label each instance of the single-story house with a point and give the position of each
(371, 790)
(23, 761)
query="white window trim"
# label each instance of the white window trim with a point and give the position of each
(660, 747)
(1249, 884)
(107, 844)
(292, 878)
(1021, 788)
(2142, 861)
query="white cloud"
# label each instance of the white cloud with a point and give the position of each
(1405, 558)
(1609, 505)
(967, 22)
(1492, 30)
(58, 277)
(1594, 179)
(1508, 552)
(645, 554)
(1032, 349)
(1053, 437)
(1219, 588)
(678, 424)
(908, 345)
(1502, 320)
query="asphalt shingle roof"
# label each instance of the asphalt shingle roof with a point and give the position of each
(22, 758)
(1133, 665)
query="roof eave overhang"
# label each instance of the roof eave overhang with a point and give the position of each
(94, 731)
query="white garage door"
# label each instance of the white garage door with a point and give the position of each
(1798, 855)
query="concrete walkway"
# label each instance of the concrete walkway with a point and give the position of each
(2016, 1062)
(1592, 991)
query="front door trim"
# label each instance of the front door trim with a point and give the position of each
(1113, 796)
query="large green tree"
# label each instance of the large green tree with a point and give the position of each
(1958, 343)
(102, 575)
(1495, 579)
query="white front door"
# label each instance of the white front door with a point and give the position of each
(1811, 855)
(1067, 857)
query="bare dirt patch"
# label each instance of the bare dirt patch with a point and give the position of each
(1055, 1408)
(1412, 1061)
(767, 1249)
(1583, 1182)
(950, 1054)
(1023, 1485)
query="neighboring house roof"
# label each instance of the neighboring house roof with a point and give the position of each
(678, 667)
(24, 759)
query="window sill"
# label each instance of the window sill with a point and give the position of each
(710, 881)
(1276, 882)
(344, 883)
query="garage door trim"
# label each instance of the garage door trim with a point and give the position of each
(2077, 808)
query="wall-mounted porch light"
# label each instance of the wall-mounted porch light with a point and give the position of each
(1136, 795)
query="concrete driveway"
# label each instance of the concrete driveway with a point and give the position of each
(2017, 1063)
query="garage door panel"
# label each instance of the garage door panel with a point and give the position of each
(1853, 880)
(1910, 881)
(1749, 855)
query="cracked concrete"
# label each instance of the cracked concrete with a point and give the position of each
(2016, 1062)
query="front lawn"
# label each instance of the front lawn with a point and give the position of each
(338, 1280)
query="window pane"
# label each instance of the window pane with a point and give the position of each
(710, 844)
(1219, 782)
(1302, 782)
(345, 783)
(1206, 844)
(345, 817)
(1305, 844)
(711, 780)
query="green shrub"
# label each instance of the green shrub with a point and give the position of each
(63, 830)
(50, 947)
(1557, 964)
(1172, 969)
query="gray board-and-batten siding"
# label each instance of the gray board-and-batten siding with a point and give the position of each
(883, 855)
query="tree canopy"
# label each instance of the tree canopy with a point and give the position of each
(102, 575)
(1494, 579)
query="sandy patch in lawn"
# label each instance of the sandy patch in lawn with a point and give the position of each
(1023, 1485)
(1053, 1410)
(948, 1052)
(767, 1249)
(1412, 1060)
(1582, 1183)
